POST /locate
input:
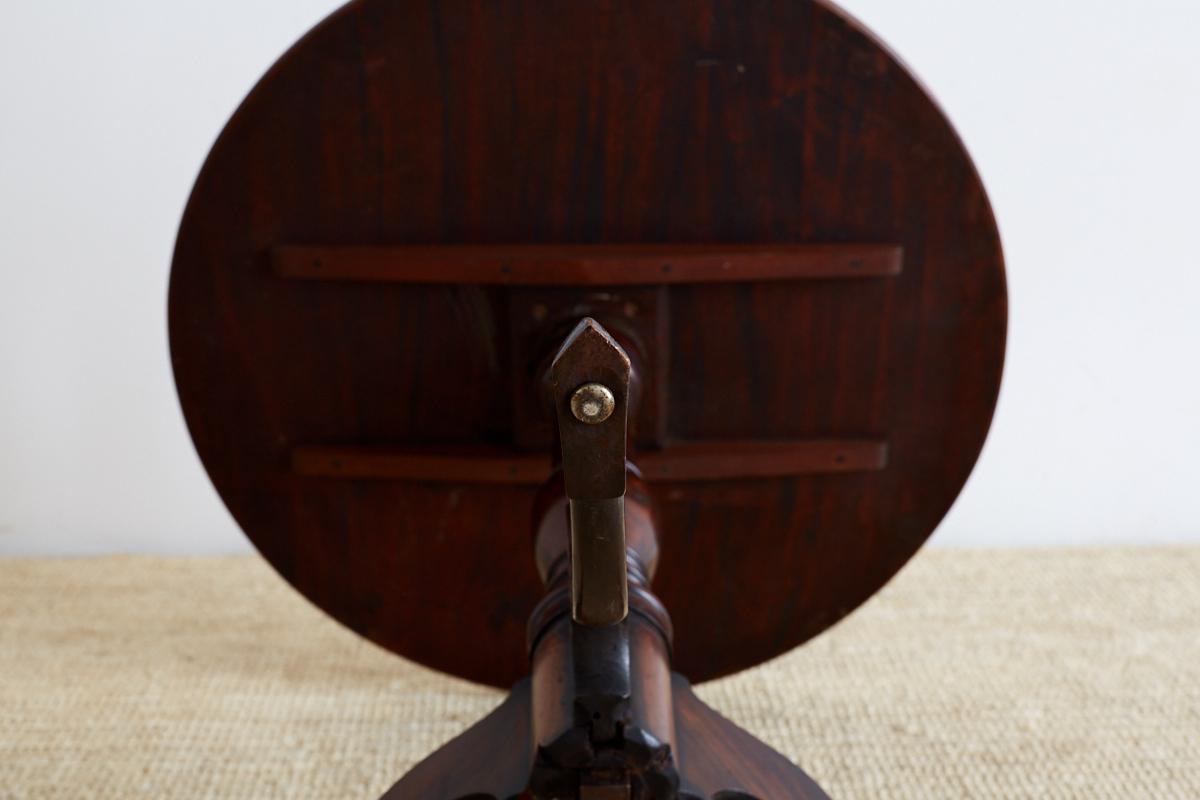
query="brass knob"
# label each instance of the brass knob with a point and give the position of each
(593, 403)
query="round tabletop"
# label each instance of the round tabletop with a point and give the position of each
(675, 124)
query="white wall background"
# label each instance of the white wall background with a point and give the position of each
(1083, 116)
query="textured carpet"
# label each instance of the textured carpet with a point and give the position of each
(1021, 674)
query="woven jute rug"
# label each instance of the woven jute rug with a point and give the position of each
(1015, 674)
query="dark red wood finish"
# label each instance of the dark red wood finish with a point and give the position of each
(717, 759)
(488, 761)
(678, 122)
(587, 265)
(681, 461)
(527, 738)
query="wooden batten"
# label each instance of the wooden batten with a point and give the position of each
(587, 265)
(681, 462)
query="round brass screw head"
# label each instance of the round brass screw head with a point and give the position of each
(592, 403)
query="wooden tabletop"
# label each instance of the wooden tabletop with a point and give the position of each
(838, 395)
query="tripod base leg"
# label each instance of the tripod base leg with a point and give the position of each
(716, 759)
(489, 761)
